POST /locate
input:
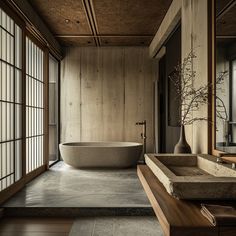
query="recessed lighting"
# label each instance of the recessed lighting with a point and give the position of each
(67, 21)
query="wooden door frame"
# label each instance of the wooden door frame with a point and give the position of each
(211, 62)
(58, 87)
(212, 76)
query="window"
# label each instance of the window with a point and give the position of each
(10, 101)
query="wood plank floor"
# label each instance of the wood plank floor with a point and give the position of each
(35, 226)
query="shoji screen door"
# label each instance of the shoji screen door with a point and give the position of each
(34, 106)
(11, 103)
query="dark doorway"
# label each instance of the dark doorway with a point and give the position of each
(169, 113)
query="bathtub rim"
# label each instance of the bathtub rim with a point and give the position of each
(107, 144)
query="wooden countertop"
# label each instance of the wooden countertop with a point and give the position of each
(177, 217)
(229, 159)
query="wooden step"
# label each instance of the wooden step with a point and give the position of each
(38, 226)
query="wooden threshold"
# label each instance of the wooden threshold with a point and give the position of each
(176, 217)
(37, 226)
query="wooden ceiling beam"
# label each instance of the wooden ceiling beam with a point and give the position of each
(102, 21)
(101, 36)
(90, 15)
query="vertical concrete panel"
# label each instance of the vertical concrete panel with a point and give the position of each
(186, 21)
(134, 93)
(150, 75)
(139, 77)
(70, 96)
(113, 94)
(194, 37)
(91, 94)
(200, 42)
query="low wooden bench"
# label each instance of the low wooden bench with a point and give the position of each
(178, 217)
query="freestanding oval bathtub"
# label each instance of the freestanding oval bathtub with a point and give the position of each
(101, 154)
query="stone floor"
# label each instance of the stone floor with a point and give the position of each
(116, 226)
(64, 186)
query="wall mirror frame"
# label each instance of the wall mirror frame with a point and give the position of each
(223, 54)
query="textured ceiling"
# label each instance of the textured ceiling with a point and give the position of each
(221, 4)
(226, 23)
(102, 22)
(55, 12)
(129, 16)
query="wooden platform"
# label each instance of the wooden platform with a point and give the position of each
(177, 217)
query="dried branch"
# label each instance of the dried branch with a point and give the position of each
(190, 98)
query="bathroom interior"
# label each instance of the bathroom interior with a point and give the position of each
(117, 117)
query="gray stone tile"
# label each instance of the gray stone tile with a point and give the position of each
(104, 226)
(64, 186)
(116, 226)
(137, 226)
(83, 226)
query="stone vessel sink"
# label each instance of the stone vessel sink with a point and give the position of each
(188, 176)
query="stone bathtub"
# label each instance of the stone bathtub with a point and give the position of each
(101, 154)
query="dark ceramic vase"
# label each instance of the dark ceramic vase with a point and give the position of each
(182, 146)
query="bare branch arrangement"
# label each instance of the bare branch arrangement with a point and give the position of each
(191, 98)
(221, 111)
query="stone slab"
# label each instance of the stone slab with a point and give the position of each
(193, 176)
(65, 186)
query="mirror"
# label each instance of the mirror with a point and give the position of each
(225, 83)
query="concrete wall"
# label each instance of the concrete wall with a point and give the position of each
(194, 20)
(104, 91)
(193, 15)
